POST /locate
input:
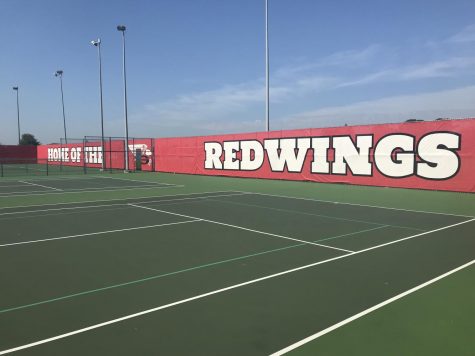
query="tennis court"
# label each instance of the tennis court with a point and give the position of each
(34, 168)
(222, 272)
(41, 186)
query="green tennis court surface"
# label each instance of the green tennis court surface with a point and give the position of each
(33, 169)
(181, 265)
(32, 186)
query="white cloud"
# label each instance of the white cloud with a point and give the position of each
(466, 35)
(369, 78)
(228, 102)
(449, 67)
(445, 68)
(313, 83)
(240, 107)
(456, 103)
(342, 58)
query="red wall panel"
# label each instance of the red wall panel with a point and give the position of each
(13, 154)
(73, 154)
(438, 155)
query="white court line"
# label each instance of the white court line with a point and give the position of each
(12, 186)
(314, 214)
(39, 185)
(71, 177)
(115, 199)
(133, 180)
(15, 193)
(118, 204)
(96, 233)
(116, 187)
(88, 191)
(364, 205)
(81, 176)
(201, 296)
(244, 228)
(27, 192)
(369, 310)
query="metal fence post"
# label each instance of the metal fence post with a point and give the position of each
(152, 149)
(84, 155)
(61, 155)
(110, 154)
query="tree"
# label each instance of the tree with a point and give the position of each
(29, 140)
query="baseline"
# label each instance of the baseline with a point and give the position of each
(39, 185)
(114, 199)
(116, 204)
(133, 180)
(90, 191)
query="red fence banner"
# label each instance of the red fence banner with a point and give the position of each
(15, 154)
(83, 154)
(145, 148)
(91, 155)
(436, 155)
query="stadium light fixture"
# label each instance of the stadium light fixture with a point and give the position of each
(122, 28)
(18, 112)
(267, 65)
(97, 43)
(59, 73)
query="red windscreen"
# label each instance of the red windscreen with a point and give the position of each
(90, 154)
(437, 155)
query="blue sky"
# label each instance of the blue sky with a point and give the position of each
(197, 66)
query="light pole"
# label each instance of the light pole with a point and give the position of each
(18, 112)
(59, 73)
(122, 29)
(267, 65)
(97, 43)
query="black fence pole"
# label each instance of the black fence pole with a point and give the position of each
(110, 154)
(152, 149)
(61, 155)
(84, 155)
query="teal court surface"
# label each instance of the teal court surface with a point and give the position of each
(233, 267)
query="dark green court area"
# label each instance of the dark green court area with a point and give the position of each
(41, 168)
(210, 272)
(45, 186)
